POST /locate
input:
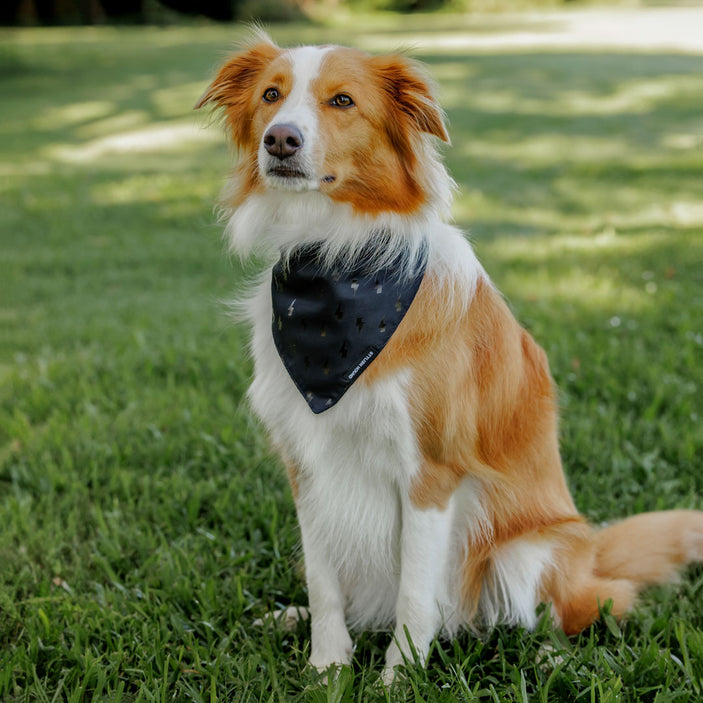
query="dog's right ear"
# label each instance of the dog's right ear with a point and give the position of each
(231, 89)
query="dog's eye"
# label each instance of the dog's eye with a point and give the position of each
(341, 100)
(271, 95)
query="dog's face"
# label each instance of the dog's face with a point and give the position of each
(329, 119)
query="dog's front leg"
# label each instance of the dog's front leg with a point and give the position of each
(330, 640)
(424, 548)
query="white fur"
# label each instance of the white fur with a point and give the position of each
(356, 463)
(372, 558)
(351, 459)
(299, 108)
(425, 551)
(273, 223)
(512, 592)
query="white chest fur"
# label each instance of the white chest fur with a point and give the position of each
(354, 461)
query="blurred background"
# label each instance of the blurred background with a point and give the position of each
(47, 12)
(77, 12)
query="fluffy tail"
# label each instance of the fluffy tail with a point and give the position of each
(617, 562)
(649, 548)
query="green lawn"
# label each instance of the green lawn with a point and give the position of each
(144, 524)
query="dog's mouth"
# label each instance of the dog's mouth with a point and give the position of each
(286, 172)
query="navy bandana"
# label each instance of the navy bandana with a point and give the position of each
(330, 323)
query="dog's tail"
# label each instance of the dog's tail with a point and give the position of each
(615, 563)
(649, 548)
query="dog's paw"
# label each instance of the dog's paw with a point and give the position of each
(394, 659)
(325, 663)
(334, 652)
(389, 676)
(336, 679)
(287, 618)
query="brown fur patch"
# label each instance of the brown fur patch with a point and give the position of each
(483, 406)
(372, 148)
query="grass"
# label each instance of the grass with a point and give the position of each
(144, 524)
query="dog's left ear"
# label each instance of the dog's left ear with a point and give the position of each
(410, 93)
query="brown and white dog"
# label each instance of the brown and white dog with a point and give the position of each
(431, 497)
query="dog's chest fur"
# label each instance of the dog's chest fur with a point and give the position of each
(352, 463)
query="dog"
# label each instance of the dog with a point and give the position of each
(415, 417)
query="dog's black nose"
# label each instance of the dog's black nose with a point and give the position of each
(283, 140)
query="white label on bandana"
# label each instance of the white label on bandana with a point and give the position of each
(360, 366)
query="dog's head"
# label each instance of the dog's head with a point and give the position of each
(330, 119)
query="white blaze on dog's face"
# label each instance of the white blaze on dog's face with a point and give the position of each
(329, 119)
(289, 151)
